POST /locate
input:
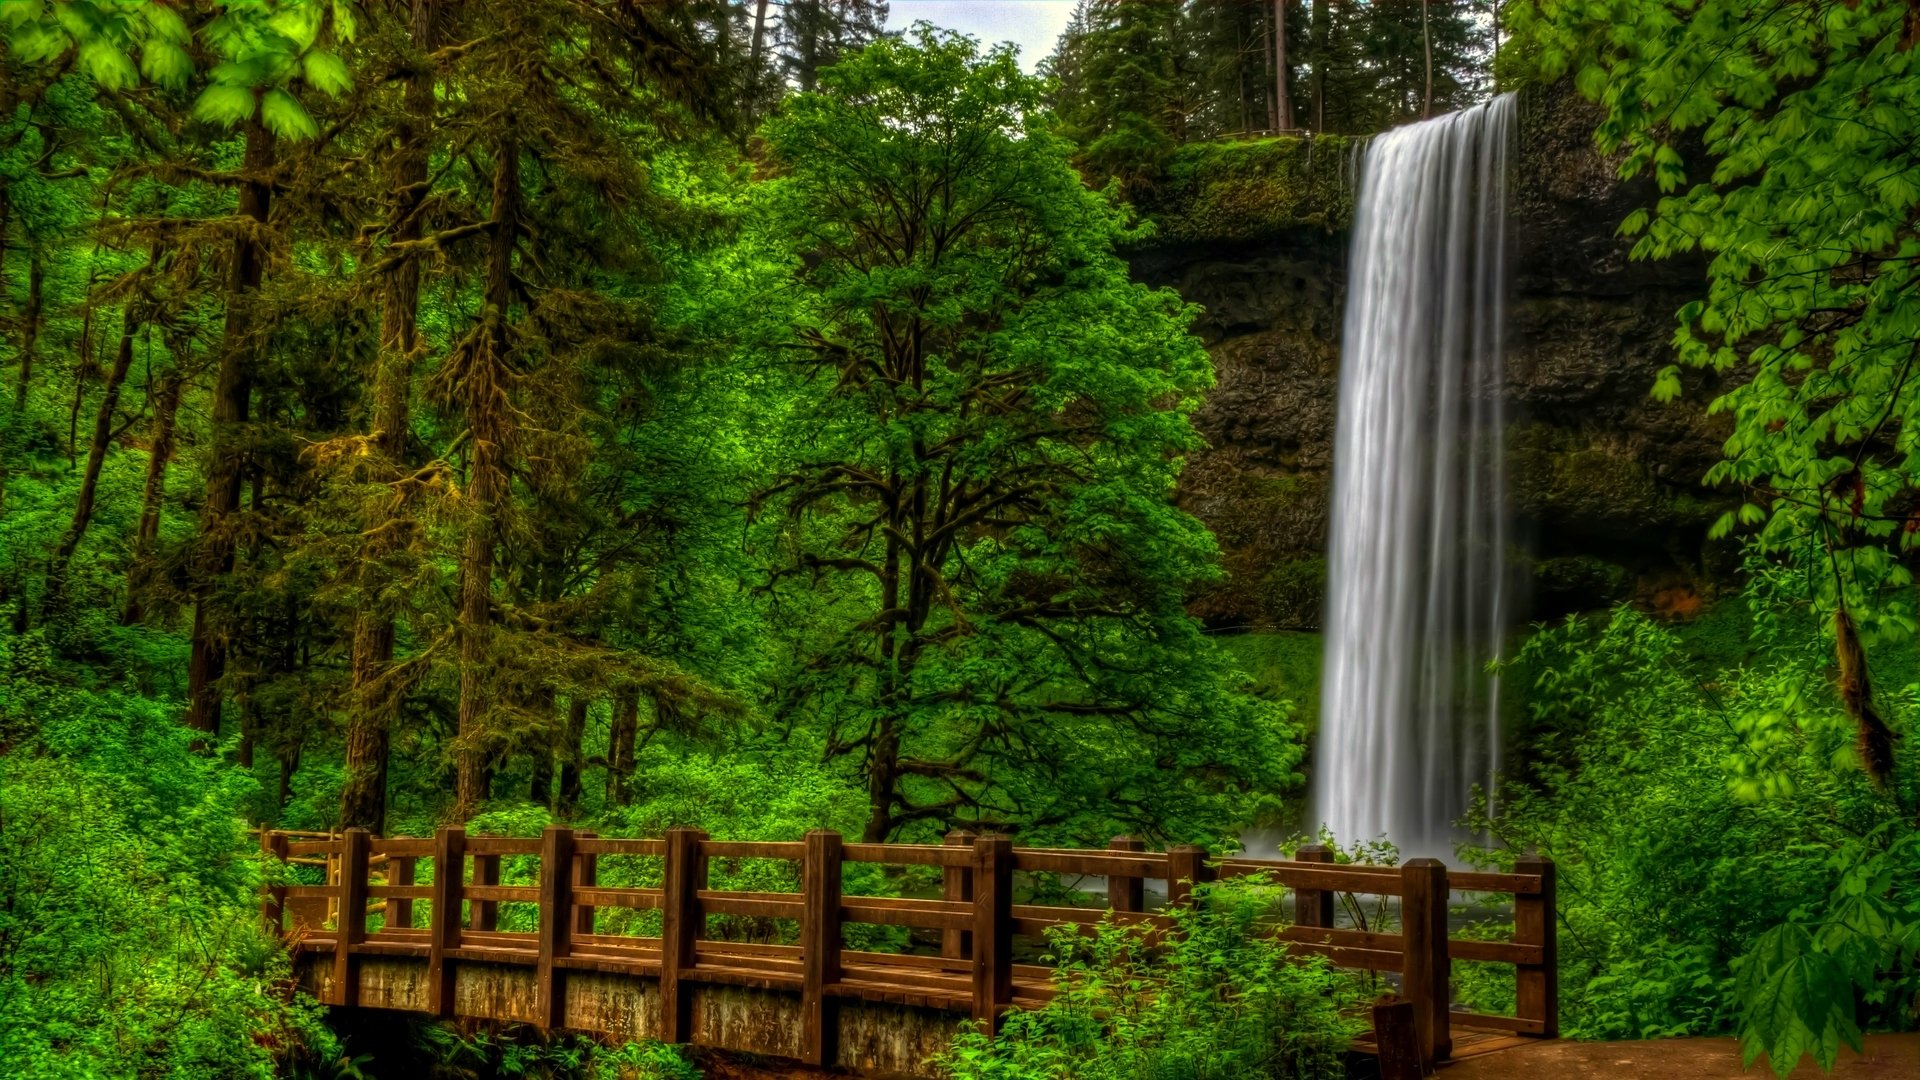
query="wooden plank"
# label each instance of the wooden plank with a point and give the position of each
(1396, 1038)
(820, 945)
(503, 845)
(495, 894)
(753, 849)
(1522, 1025)
(313, 847)
(556, 925)
(353, 916)
(1296, 875)
(686, 874)
(1095, 863)
(902, 911)
(449, 859)
(1470, 881)
(400, 894)
(1496, 952)
(956, 887)
(1126, 892)
(1536, 923)
(273, 899)
(1346, 956)
(610, 845)
(909, 854)
(752, 905)
(635, 899)
(402, 846)
(992, 930)
(1425, 974)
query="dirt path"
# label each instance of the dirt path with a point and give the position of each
(1888, 1057)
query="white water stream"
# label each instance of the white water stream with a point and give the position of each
(1417, 589)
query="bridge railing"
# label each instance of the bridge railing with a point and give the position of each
(975, 917)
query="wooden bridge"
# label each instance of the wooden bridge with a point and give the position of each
(817, 1001)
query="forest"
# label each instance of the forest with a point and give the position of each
(766, 416)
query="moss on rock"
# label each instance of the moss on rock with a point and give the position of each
(1241, 190)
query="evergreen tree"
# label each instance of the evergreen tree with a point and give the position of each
(815, 34)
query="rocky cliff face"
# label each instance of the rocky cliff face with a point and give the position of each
(1605, 481)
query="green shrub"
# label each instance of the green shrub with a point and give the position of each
(128, 940)
(1221, 1001)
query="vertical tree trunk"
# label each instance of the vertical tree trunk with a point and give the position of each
(375, 700)
(484, 390)
(232, 397)
(31, 322)
(96, 457)
(574, 734)
(1320, 41)
(1282, 97)
(1426, 45)
(620, 747)
(755, 57)
(153, 494)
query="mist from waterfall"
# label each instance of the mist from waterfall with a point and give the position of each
(1417, 588)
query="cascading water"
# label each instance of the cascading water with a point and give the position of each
(1417, 585)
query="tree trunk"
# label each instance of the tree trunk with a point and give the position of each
(166, 405)
(96, 457)
(30, 327)
(570, 755)
(232, 396)
(755, 57)
(375, 700)
(1282, 97)
(1426, 45)
(1320, 34)
(620, 746)
(484, 391)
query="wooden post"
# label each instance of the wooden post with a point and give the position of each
(352, 924)
(486, 913)
(400, 909)
(1126, 892)
(1397, 1039)
(992, 930)
(1536, 922)
(556, 926)
(820, 947)
(449, 858)
(586, 873)
(1426, 972)
(1313, 907)
(686, 875)
(1186, 867)
(273, 897)
(958, 887)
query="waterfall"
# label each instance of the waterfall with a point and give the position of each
(1416, 571)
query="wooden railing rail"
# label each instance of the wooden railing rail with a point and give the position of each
(976, 919)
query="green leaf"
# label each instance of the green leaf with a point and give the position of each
(326, 72)
(165, 63)
(283, 115)
(108, 65)
(224, 103)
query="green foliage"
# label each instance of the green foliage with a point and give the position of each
(1723, 861)
(128, 940)
(520, 1053)
(1252, 190)
(1218, 1000)
(976, 489)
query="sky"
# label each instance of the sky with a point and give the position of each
(1034, 25)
